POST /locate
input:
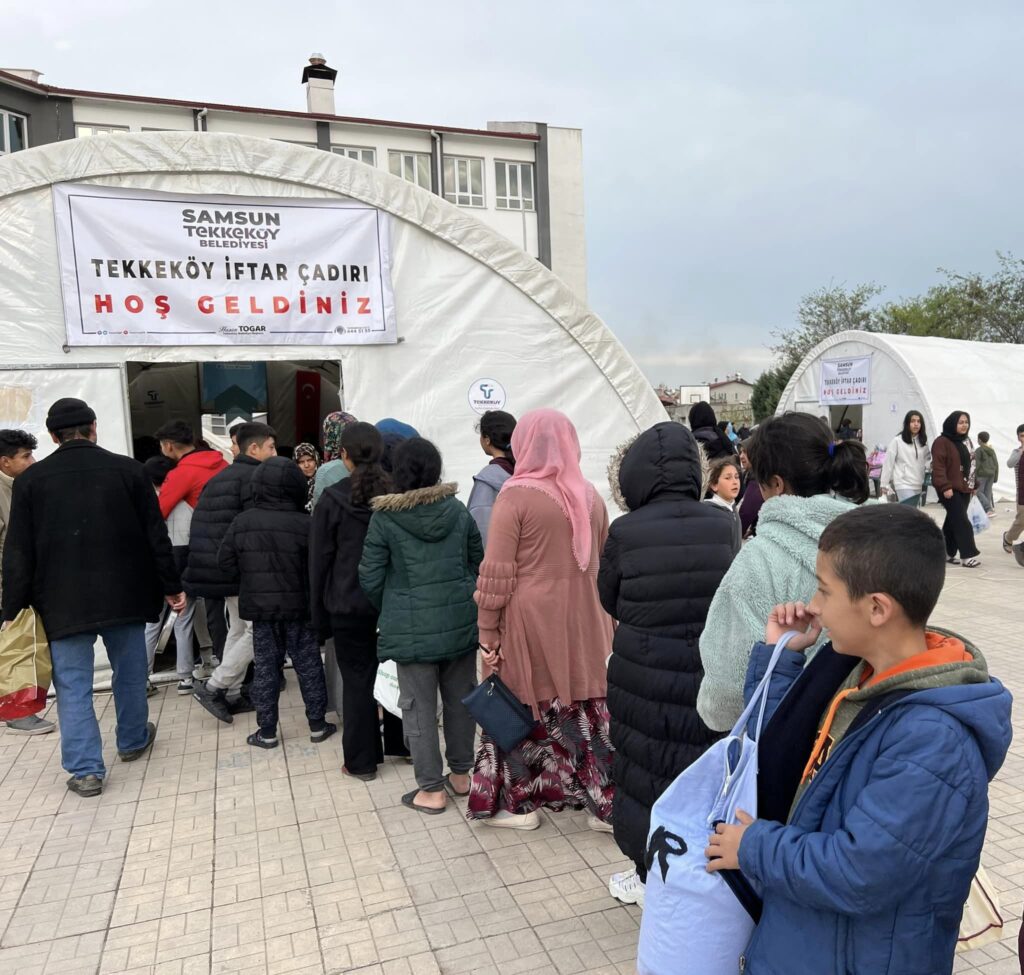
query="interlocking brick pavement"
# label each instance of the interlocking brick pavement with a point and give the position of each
(211, 857)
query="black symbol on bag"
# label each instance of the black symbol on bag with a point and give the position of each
(663, 845)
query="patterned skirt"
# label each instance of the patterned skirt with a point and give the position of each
(565, 763)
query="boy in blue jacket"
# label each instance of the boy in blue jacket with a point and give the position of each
(870, 869)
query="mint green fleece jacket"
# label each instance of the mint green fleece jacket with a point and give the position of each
(776, 566)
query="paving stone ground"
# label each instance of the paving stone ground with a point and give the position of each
(211, 857)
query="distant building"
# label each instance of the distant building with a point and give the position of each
(524, 179)
(730, 398)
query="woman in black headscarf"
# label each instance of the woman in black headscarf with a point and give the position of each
(953, 479)
(704, 426)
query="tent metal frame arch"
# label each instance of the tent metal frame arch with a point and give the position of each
(202, 153)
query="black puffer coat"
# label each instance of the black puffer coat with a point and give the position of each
(267, 547)
(335, 548)
(659, 571)
(225, 496)
(704, 425)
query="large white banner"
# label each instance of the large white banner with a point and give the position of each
(140, 267)
(845, 382)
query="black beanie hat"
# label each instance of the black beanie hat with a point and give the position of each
(69, 412)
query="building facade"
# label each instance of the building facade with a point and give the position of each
(523, 179)
(731, 399)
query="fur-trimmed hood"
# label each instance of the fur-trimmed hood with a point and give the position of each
(428, 513)
(661, 463)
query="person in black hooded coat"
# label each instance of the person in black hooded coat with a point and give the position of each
(660, 569)
(267, 550)
(704, 425)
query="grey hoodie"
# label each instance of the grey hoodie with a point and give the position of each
(486, 486)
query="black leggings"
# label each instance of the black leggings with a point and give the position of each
(957, 529)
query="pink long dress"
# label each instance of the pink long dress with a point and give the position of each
(555, 638)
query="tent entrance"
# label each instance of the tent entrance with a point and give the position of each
(855, 414)
(292, 396)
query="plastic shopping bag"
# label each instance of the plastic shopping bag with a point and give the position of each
(25, 668)
(982, 923)
(385, 687)
(976, 514)
(693, 923)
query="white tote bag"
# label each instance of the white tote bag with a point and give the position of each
(693, 923)
(385, 687)
(982, 923)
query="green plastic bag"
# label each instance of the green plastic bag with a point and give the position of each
(25, 668)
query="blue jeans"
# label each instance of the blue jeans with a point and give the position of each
(81, 747)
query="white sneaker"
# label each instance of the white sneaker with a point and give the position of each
(503, 819)
(185, 685)
(598, 825)
(202, 671)
(627, 888)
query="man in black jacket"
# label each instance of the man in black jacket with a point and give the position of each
(226, 495)
(88, 550)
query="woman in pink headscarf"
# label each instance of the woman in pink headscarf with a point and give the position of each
(543, 629)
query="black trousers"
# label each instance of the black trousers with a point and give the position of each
(216, 623)
(270, 643)
(355, 645)
(957, 528)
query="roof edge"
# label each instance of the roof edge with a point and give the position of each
(53, 90)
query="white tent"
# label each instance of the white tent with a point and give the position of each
(892, 374)
(469, 305)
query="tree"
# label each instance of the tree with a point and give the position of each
(998, 301)
(823, 313)
(768, 390)
(945, 310)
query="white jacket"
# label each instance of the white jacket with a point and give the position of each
(179, 523)
(905, 465)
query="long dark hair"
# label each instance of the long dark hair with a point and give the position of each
(364, 445)
(497, 426)
(907, 436)
(417, 464)
(798, 448)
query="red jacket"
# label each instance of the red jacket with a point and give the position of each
(188, 478)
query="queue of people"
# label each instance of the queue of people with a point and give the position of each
(634, 645)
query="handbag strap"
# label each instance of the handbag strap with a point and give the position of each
(760, 695)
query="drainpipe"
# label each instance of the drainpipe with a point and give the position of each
(437, 176)
(199, 119)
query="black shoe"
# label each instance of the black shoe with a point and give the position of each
(139, 752)
(241, 705)
(85, 786)
(257, 740)
(215, 700)
(323, 734)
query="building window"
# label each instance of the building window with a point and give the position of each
(513, 185)
(413, 166)
(81, 130)
(464, 181)
(13, 132)
(358, 153)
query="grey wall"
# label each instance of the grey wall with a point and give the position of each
(50, 119)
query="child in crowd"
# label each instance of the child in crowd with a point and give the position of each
(267, 546)
(725, 482)
(985, 473)
(881, 816)
(419, 565)
(179, 521)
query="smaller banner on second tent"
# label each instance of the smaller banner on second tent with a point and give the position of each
(845, 382)
(140, 267)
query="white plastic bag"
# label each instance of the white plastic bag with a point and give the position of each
(385, 687)
(982, 923)
(693, 924)
(976, 514)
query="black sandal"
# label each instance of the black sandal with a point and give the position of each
(260, 742)
(953, 560)
(451, 788)
(409, 799)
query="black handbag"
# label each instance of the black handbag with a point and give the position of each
(502, 716)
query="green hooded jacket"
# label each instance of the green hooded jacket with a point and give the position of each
(419, 568)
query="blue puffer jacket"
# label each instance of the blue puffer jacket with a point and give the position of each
(871, 875)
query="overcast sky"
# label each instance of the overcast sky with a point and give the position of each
(737, 154)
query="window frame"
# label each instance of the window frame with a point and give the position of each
(519, 163)
(345, 150)
(5, 116)
(104, 129)
(453, 195)
(420, 158)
